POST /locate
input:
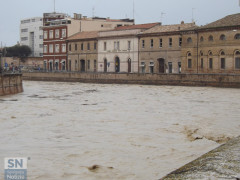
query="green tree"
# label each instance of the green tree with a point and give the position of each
(19, 51)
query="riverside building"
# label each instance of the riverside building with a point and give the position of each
(59, 27)
(31, 35)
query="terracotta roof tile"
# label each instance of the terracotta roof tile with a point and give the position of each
(230, 20)
(169, 28)
(137, 26)
(84, 35)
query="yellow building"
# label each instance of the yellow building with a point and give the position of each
(160, 48)
(213, 48)
(82, 52)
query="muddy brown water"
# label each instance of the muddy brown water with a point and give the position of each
(100, 132)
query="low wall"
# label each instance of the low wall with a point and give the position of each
(10, 84)
(215, 80)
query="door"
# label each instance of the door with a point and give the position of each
(105, 65)
(170, 67)
(161, 65)
(117, 64)
(129, 65)
(82, 63)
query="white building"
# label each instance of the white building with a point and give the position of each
(31, 34)
(118, 49)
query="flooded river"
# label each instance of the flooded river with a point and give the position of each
(75, 131)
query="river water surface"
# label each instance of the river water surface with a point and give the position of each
(73, 131)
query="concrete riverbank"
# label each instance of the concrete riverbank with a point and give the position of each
(214, 80)
(221, 163)
(10, 84)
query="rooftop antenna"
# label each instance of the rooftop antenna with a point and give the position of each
(54, 6)
(192, 15)
(93, 11)
(133, 11)
(162, 13)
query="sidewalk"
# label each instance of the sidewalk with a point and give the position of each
(220, 163)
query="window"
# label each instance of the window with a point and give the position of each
(45, 49)
(180, 42)
(170, 42)
(105, 46)
(189, 63)
(40, 45)
(143, 67)
(189, 60)
(95, 65)
(116, 45)
(151, 45)
(64, 33)
(189, 40)
(51, 34)
(51, 48)
(151, 67)
(88, 64)
(41, 37)
(143, 43)
(57, 33)
(129, 45)
(201, 39)
(210, 63)
(70, 47)
(75, 47)
(82, 47)
(76, 65)
(237, 60)
(24, 38)
(63, 47)
(237, 36)
(57, 48)
(210, 38)
(223, 37)
(45, 35)
(222, 63)
(24, 30)
(95, 46)
(160, 43)
(88, 46)
(201, 63)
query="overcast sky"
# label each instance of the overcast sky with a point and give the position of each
(146, 11)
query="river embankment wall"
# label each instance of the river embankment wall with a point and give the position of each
(10, 84)
(214, 80)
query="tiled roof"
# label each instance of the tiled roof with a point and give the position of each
(84, 35)
(137, 26)
(230, 20)
(169, 28)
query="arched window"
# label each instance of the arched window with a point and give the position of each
(201, 39)
(201, 59)
(210, 38)
(210, 60)
(222, 60)
(237, 36)
(237, 59)
(189, 60)
(223, 37)
(189, 40)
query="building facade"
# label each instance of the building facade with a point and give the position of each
(58, 27)
(214, 48)
(83, 52)
(118, 49)
(31, 35)
(160, 48)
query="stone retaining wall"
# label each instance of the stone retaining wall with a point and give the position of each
(10, 84)
(215, 80)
